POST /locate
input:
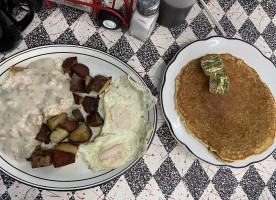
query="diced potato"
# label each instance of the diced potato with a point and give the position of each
(77, 114)
(81, 70)
(88, 82)
(64, 154)
(81, 135)
(59, 134)
(67, 147)
(77, 85)
(90, 104)
(41, 157)
(71, 124)
(68, 64)
(61, 158)
(100, 83)
(44, 134)
(94, 119)
(78, 99)
(57, 120)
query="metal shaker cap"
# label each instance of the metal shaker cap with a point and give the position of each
(147, 7)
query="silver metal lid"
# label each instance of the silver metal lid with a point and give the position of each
(147, 7)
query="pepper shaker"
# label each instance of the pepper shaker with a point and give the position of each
(144, 18)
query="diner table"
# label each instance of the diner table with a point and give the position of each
(167, 170)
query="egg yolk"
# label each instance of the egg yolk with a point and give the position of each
(121, 117)
(111, 156)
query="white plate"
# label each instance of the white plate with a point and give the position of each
(75, 176)
(250, 54)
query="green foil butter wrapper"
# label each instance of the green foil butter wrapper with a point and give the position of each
(212, 63)
(219, 83)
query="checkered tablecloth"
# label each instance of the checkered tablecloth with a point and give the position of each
(168, 170)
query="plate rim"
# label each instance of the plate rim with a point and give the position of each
(168, 121)
(87, 186)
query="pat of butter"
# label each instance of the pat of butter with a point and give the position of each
(212, 63)
(219, 83)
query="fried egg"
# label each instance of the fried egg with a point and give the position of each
(125, 131)
(125, 102)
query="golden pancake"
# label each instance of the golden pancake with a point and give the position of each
(233, 126)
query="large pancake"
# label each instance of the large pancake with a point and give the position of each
(234, 126)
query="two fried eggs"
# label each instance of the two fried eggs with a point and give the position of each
(125, 132)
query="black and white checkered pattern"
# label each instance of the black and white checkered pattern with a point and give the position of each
(168, 170)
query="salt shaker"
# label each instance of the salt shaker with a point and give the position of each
(144, 18)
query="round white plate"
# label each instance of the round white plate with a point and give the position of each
(75, 176)
(250, 54)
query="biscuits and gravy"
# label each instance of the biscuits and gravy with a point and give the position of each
(50, 108)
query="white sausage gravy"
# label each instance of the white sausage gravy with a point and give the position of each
(42, 89)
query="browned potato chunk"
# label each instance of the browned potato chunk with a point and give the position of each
(57, 120)
(64, 154)
(78, 99)
(88, 82)
(59, 134)
(67, 147)
(68, 64)
(81, 70)
(77, 114)
(90, 104)
(61, 158)
(71, 124)
(41, 157)
(100, 83)
(94, 119)
(77, 85)
(14, 70)
(81, 135)
(44, 134)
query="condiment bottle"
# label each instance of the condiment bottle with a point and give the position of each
(174, 12)
(144, 18)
